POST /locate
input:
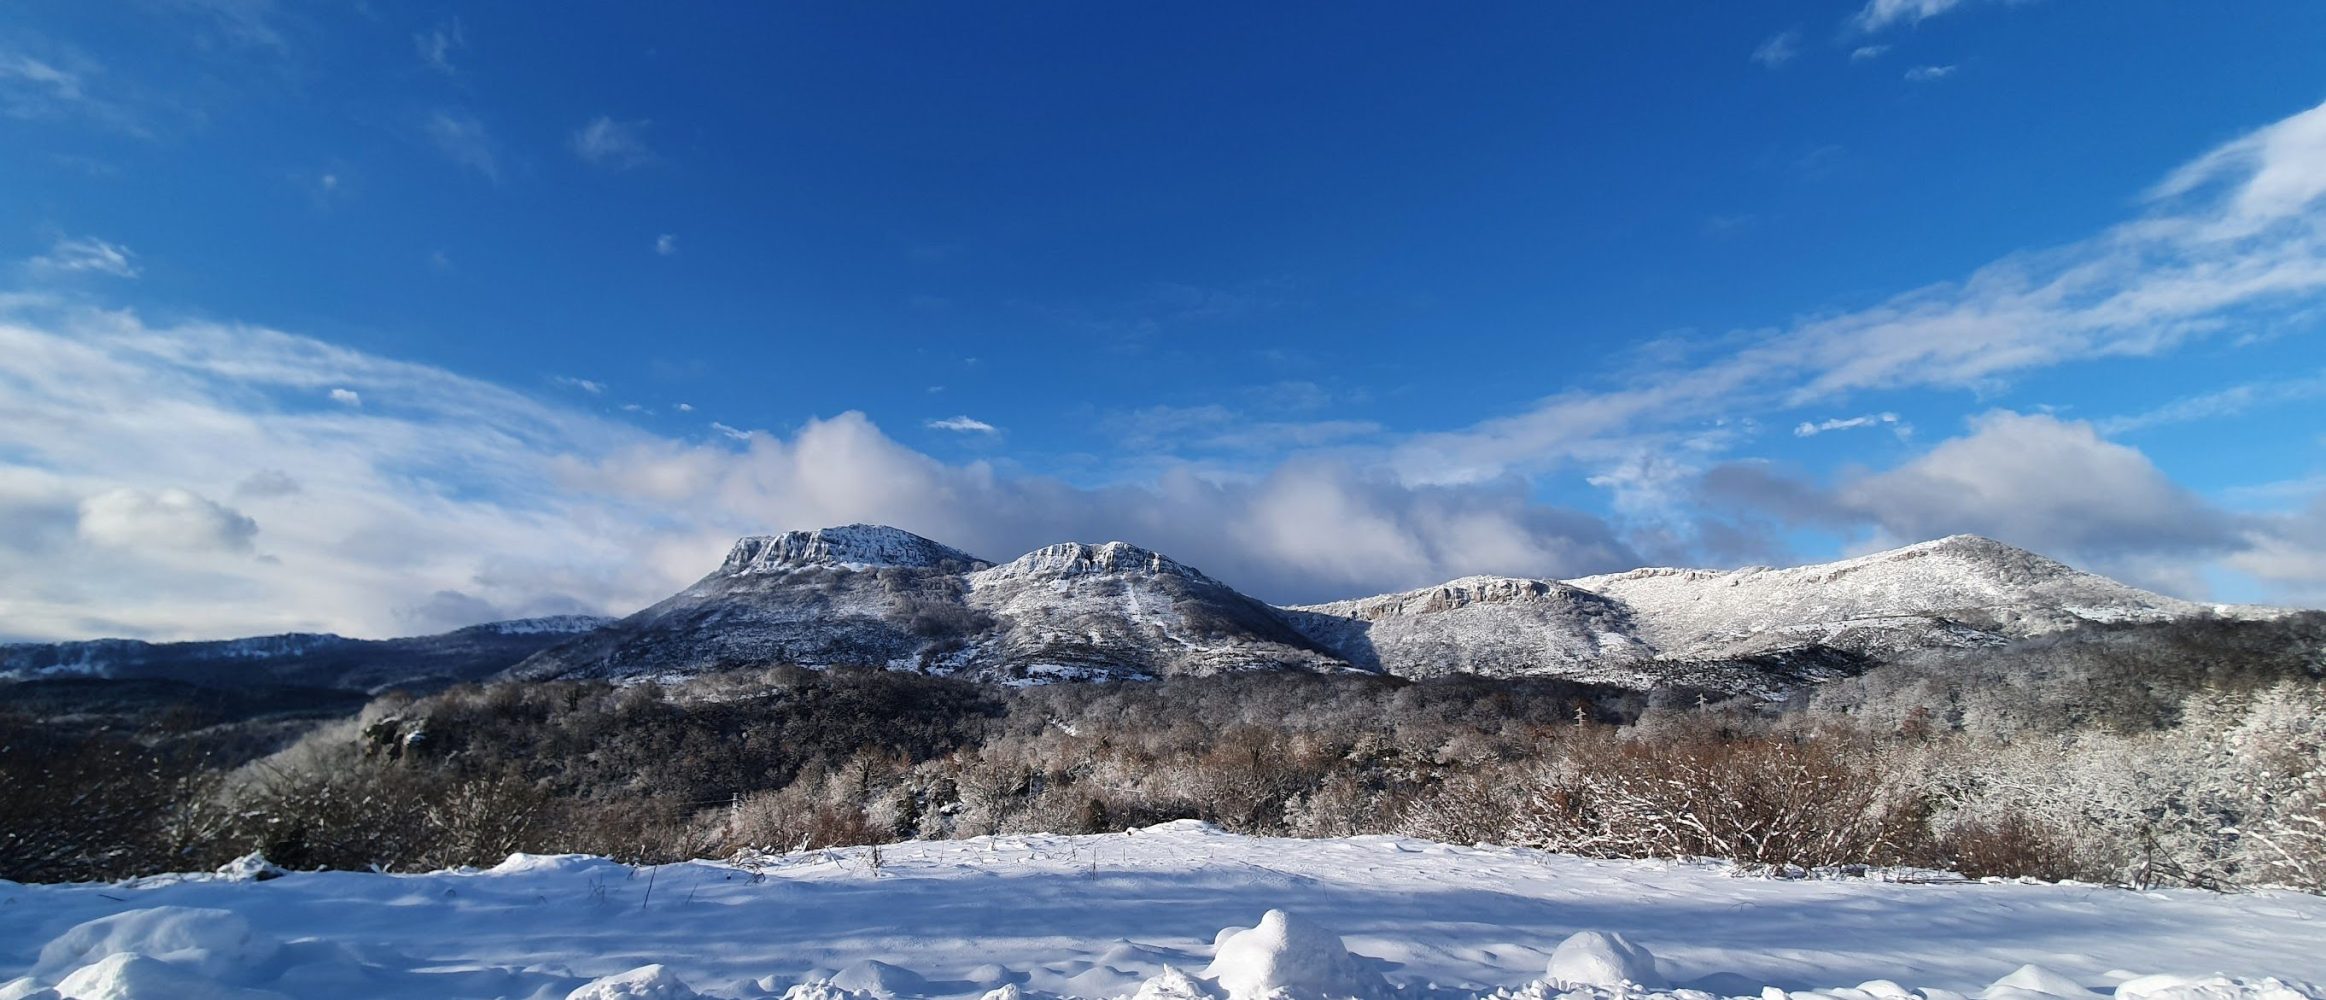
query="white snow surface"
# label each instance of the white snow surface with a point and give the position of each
(1041, 917)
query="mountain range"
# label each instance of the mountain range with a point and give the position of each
(879, 596)
(298, 659)
(870, 595)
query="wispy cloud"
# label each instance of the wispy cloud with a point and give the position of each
(86, 255)
(612, 143)
(59, 87)
(1880, 15)
(463, 138)
(594, 388)
(347, 397)
(2227, 402)
(1865, 53)
(1925, 74)
(1779, 49)
(437, 45)
(2241, 229)
(1890, 420)
(666, 244)
(962, 425)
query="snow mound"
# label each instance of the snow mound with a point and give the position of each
(252, 867)
(2032, 981)
(823, 989)
(1288, 956)
(525, 864)
(1172, 984)
(1593, 958)
(128, 976)
(879, 979)
(211, 943)
(646, 982)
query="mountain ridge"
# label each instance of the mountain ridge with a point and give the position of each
(879, 596)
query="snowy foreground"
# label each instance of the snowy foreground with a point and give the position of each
(1174, 912)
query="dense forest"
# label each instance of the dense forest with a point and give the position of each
(2191, 753)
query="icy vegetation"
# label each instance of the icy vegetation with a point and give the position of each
(866, 595)
(1179, 911)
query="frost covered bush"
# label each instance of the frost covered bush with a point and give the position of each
(1777, 802)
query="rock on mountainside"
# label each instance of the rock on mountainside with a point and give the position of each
(877, 596)
(312, 660)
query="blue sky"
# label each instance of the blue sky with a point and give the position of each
(381, 320)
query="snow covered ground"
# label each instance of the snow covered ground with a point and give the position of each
(1103, 916)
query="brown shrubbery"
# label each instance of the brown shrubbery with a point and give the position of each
(2225, 788)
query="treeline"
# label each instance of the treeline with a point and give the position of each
(2191, 754)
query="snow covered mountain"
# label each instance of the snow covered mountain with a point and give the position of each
(1962, 590)
(879, 596)
(299, 659)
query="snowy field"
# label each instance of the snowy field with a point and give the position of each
(1103, 916)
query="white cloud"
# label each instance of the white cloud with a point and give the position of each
(87, 255)
(2044, 482)
(2288, 550)
(1878, 15)
(1924, 74)
(463, 139)
(963, 424)
(437, 44)
(1779, 49)
(167, 518)
(1865, 53)
(2032, 480)
(519, 506)
(1890, 420)
(612, 143)
(730, 433)
(686, 407)
(666, 244)
(347, 397)
(583, 384)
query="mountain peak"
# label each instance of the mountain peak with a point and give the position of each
(1084, 559)
(848, 546)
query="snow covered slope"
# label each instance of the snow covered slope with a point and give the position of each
(1074, 609)
(1956, 591)
(1489, 625)
(870, 595)
(1173, 912)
